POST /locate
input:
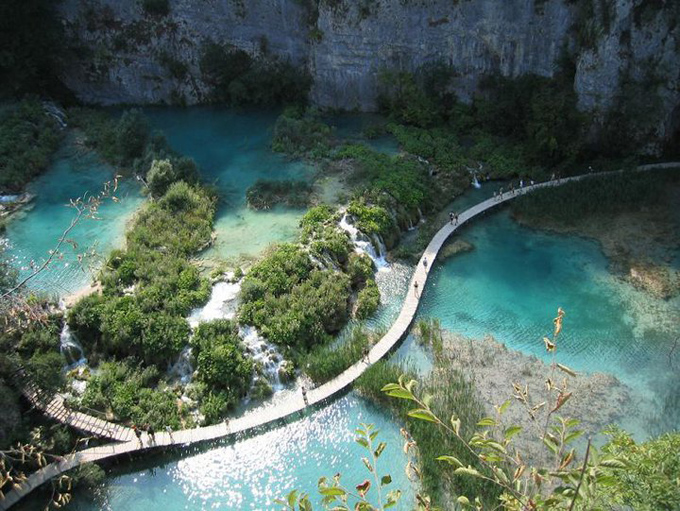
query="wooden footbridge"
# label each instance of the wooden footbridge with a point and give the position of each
(125, 442)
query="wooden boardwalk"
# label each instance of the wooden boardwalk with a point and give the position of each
(55, 408)
(295, 405)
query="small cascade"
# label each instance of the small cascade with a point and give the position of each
(222, 304)
(365, 246)
(182, 370)
(266, 354)
(475, 181)
(56, 113)
(70, 348)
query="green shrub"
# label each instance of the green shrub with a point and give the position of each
(214, 406)
(368, 300)
(371, 219)
(133, 394)
(28, 138)
(360, 269)
(650, 480)
(301, 134)
(222, 363)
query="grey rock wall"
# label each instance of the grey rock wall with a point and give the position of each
(118, 49)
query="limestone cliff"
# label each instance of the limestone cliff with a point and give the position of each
(121, 54)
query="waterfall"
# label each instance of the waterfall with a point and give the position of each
(70, 348)
(182, 369)
(265, 353)
(222, 304)
(364, 246)
(56, 113)
(475, 182)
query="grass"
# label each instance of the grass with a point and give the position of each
(453, 395)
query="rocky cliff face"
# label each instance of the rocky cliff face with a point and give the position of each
(124, 55)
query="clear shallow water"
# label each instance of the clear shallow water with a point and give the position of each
(233, 150)
(511, 285)
(35, 231)
(251, 473)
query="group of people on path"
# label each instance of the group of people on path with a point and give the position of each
(150, 431)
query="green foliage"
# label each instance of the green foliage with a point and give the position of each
(319, 231)
(133, 394)
(301, 133)
(44, 369)
(368, 300)
(214, 406)
(28, 137)
(371, 219)
(237, 79)
(453, 395)
(156, 7)
(119, 141)
(222, 363)
(360, 269)
(304, 316)
(538, 112)
(89, 475)
(398, 183)
(266, 194)
(650, 480)
(150, 324)
(325, 362)
(163, 173)
(593, 196)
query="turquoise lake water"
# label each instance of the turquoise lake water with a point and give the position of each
(233, 150)
(35, 231)
(251, 473)
(510, 287)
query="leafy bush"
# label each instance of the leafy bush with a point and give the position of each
(368, 300)
(303, 316)
(222, 363)
(649, 481)
(301, 134)
(28, 138)
(214, 406)
(150, 324)
(133, 395)
(371, 219)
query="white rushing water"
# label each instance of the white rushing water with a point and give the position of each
(264, 353)
(222, 304)
(70, 348)
(364, 245)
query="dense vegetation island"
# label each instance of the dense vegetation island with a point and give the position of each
(301, 311)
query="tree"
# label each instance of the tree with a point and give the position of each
(160, 176)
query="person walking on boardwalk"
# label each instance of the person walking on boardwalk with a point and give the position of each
(304, 396)
(456, 219)
(415, 288)
(364, 354)
(168, 430)
(138, 433)
(152, 434)
(451, 217)
(425, 263)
